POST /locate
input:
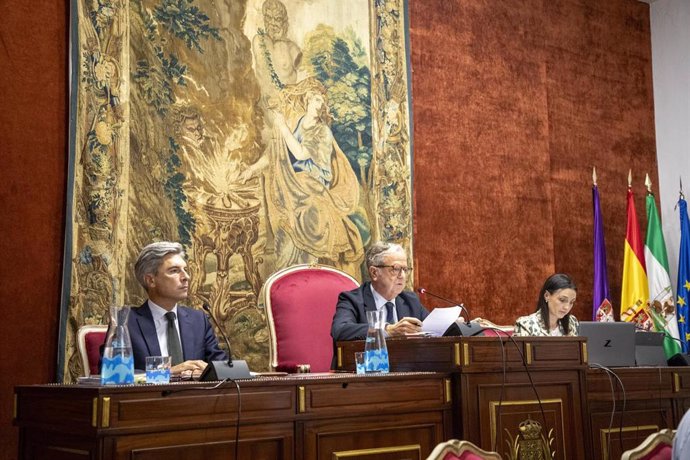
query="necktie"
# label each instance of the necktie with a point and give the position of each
(174, 347)
(390, 307)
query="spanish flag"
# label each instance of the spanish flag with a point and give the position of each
(635, 290)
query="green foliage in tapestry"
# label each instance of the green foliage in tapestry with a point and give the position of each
(184, 20)
(173, 190)
(339, 61)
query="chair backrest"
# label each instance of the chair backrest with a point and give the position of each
(461, 450)
(300, 304)
(657, 446)
(492, 329)
(89, 340)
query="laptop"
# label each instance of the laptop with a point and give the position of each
(609, 344)
(649, 349)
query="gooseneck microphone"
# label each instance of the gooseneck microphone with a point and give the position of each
(421, 290)
(519, 325)
(207, 307)
(221, 370)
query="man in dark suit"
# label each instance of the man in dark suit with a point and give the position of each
(185, 335)
(388, 269)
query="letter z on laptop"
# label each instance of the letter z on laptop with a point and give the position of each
(609, 344)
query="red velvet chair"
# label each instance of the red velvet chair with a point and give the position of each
(300, 303)
(89, 340)
(461, 450)
(657, 446)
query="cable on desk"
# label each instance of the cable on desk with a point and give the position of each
(610, 373)
(166, 393)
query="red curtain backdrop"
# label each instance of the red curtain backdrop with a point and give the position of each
(33, 163)
(514, 102)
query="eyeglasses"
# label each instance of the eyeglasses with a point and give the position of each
(396, 269)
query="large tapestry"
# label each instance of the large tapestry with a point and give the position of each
(258, 133)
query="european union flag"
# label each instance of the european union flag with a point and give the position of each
(682, 303)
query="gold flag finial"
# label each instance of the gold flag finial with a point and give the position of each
(648, 182)
(629, 178)
(594, 176)
(681, 188)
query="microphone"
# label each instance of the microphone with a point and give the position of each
(518, 325)
(421, 290)
(221, 370)
(207, 307)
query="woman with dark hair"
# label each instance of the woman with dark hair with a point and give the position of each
(552, 316)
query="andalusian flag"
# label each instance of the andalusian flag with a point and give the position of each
(662, 304)
(683, 299)
(634, 291)
(601, 305)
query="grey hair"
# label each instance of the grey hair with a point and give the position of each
(379, 250)
(151, 257)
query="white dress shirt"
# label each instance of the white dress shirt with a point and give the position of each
(161, 323)
(380, 302)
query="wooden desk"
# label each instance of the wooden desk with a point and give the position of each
(577, 400)
(307, 416)
(654, 398)
(496, 410)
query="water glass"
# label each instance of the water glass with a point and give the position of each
(157, 369)
(360, 362)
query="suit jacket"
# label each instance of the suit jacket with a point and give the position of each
(196, 334)
(350, 319)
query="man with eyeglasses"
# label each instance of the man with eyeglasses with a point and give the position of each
(388, 270)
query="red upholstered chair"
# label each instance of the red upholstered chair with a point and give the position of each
(300, 303)
(461, 450)
(657, 446)
(89, 340)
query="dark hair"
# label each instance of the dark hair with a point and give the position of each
(552, 284)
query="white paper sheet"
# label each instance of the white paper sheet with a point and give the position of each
(439, 320)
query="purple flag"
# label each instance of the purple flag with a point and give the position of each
(602, 310)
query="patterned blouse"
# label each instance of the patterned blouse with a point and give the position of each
(533, 325)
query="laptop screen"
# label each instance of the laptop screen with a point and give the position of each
(609, 344)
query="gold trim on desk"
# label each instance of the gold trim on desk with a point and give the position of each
(584, 352)
(605, 431)
(466, 354)
(676, 382)
(448, 391)
(361, 453)
(94, 413)
(301, 399)
(456, 354)
(528, 352)
(340, 356)
(105, 412)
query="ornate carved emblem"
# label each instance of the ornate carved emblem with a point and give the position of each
(530, 442)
